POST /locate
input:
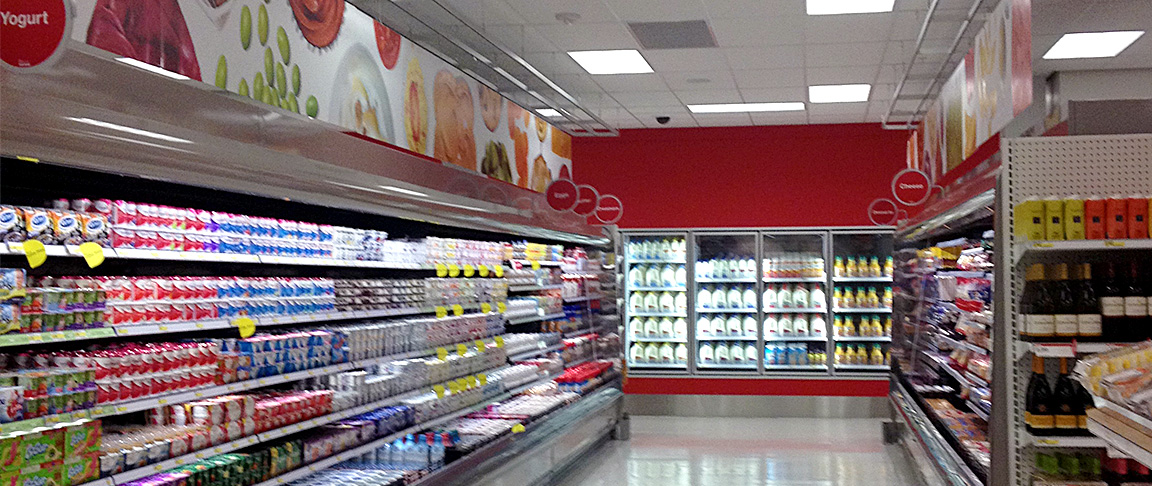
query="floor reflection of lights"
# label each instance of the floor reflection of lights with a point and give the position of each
(678, 451)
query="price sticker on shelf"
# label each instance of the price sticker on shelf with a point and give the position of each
(453, 387)
(462, 383)
(461, 349)
(441, 353)
(441, 312)
(457, 310)
(483, 379)
(35, 252)
(93, 254)
(1113, 243)
(482, 270)
(501, 307)
(1042, 245)
(480, 345)
(498, 270)
(453, 270)
(469, 270)
(535, 265)
(246, 326)
(471, 380)
(518, 428)
(441, 270)
(485, 307)
(499, 341)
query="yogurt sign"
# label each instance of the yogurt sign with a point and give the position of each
(32, 32)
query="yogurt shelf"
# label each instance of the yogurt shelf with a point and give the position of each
(533, 288)
(204, 256)
(527, 319)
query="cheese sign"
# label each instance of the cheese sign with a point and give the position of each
(911, 187)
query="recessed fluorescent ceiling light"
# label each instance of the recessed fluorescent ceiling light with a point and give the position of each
(148, 67)
(122, 128)
(548, 113)
(1083, 45)
(746, 107)
(623, 61)
(403, 191)
(834, 7)
(839, 93)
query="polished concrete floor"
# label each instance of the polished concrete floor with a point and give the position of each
(680, 451)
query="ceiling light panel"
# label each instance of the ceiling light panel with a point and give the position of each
(746, 107)
(839, 93)
(837, 7)
(1084, 45)
(624, 61)
(548, 113)
(689, 34)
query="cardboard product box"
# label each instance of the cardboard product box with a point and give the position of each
(11, 457)
(81, 437)
(42, 446)
(44, 475)
(80, 469)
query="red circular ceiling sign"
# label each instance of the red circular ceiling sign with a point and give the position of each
(32, 32)
(561, 194)
(609, 210)
(911, 187)
(586, 200)
(883, 212)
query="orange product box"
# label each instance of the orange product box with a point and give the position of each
(1095, 214)
(1137, 217)
(1116, 224)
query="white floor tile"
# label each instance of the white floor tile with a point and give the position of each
(683, 451)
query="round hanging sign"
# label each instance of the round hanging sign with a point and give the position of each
(609, 209)
(562, 194)
(883, 212)
(33, 32)
(911, 187)
(587, 199)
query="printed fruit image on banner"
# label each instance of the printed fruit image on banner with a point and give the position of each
(561, 145)
(541, 176)
(495, 163)
(491, 106)
(152, 31)
(415, 109)
(364, 105)
(454, 142)
(319, 20)
(388, 43)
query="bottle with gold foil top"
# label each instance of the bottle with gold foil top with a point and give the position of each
(874, 269)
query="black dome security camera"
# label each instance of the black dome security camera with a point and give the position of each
(663, 120)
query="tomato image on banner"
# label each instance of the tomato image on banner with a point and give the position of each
(152, 31)
(319, 20)
(388, 43)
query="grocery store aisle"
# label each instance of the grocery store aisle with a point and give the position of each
(680, 451)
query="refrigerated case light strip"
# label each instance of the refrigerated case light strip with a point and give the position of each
(632, 364)
(796, 339)
(732, 366)
(659, 339)
(657, 314)
(795, 367)
(725, 280)
(536, 352)
(643, 262)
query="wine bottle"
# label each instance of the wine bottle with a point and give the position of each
(1111, 304)
(1086, 404)
(1038, 416)
(1088, 321)
(1039, 318)
(1067, 402)
(1063, 301)
(1135, 305)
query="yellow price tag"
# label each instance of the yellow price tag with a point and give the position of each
(441, 270)
(483, 379)
(469, 270)
(471, 380)
(535, 265)
(93, 254)
(461, 383)
(483, 270)
(439, 389)
(453, 387)
(485, 307)
(501, 307)
(1042, 245)
(480, 345)
(518, 428)
(441, 353)
(499, 341)
(441, 312)
(1114, 243)
(246, 326)
(457, 309)
(35, 252)
(461, 349)
(499, 271)
(453, 270)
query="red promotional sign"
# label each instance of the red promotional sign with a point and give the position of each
(911, 187)
(587, 198)
(609, 209)
(883, 212)
(33, 31)
(561, 194)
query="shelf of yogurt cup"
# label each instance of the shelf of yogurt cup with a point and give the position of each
(533, 288)
(206, 256)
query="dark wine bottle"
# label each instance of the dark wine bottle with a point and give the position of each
(1111, 304)
(1063, 301)
(1038, 413)
(1086, 403)
(1066, 401)
(1135, 304)
(1039, 319)
(1088, 320)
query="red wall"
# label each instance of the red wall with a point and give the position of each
(801, 175)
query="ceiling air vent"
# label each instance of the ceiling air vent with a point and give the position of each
(673, 35)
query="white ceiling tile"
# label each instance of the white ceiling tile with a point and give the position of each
(514, 37)
(769, 78)
(834, 119)
(911, 5)
(637, 99)
(686, 59)
(588, 36)
(575, 83)
(626, 123)
(906, 25)
(554, 63)
(544, 11)
(676, 110)
(720, 9)
(723, 119)
(841, 75)
(690, 80)
(781, 118)
(750, 31)
(899, 52)
(704, 96)
(824, 29)
(765, 57)
(764, 95)
(821, 109)
(856, 54)
(658, 10)
(613, 83)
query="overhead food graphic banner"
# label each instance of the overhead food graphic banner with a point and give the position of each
(328, 60)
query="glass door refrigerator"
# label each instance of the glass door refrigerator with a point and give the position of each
(795, 302)
(727, 301)
(861, 301)
(656, 301)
